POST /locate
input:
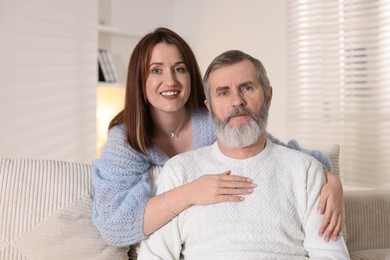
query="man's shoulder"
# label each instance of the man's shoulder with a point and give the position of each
(291, 155)
(298, 166)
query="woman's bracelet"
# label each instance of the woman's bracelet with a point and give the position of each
(166, 206)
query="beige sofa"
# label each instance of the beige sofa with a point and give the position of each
(45, 213)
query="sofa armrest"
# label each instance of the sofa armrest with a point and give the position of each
(367, 219)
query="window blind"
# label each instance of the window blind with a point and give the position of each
(48, 78)
(338, 66)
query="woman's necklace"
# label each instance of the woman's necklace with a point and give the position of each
(178, 129)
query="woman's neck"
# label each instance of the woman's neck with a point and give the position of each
(170, 124)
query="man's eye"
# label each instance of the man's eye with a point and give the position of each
(246, 88)
(223, 93)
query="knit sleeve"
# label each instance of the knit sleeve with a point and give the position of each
(315, 245)
(203, 131)
(121, 190)
(293, 144)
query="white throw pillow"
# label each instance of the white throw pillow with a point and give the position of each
(333, 153)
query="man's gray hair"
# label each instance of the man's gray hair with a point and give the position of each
(232, 57)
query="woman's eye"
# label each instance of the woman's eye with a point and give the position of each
(156, 71)
(180, 69)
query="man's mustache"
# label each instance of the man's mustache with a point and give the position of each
(240, 111)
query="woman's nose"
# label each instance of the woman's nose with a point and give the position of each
(169, 79)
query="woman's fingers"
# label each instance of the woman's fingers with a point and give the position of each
(236, 191)
(236, 184)
(215, 188)
(229, 198)
(327, 216)
(331, 224)
(330, 229)
(322, 203)
(337, 230)
(330, 205)
(226, 176)
(233, 185)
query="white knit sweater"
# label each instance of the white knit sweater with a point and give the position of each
(278, 220)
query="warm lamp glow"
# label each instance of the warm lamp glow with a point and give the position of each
(109, 102)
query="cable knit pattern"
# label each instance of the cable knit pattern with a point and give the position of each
(122, 184)
(278, 221)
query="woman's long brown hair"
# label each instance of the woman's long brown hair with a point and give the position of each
(136, 116)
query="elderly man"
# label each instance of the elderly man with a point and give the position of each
(279, 220)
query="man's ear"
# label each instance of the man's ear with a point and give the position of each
(206, 102)
(269, 96)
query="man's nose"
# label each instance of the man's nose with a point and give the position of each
(238, 99)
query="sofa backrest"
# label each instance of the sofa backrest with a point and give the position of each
(45, 212)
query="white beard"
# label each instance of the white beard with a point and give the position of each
(244, 134)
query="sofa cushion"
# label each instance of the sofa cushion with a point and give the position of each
(372, 254)
(368, 219)
(46, 210)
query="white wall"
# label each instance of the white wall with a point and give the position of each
(48, 79)
(254, 26)
(211, 27)
(141, 17)
(48, 51)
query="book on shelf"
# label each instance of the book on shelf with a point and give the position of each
(107, 72)
(102, 77)
(112, 68)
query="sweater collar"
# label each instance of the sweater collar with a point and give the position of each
(229, 160)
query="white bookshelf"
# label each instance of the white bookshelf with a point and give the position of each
(111, 30)
(117, 41)
(111, 85)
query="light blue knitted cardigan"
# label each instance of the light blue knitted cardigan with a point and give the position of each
(121, 181)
